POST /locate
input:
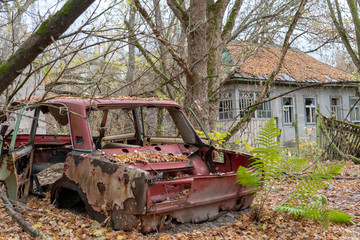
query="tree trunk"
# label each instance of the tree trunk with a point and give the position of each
(215, 47)
(196, 86)
(131, 39)
(48, 32)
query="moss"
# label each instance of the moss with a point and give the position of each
(215, 8)
(8, 63)
(4, 66)
(43, 27)
(67, 6)
(229, 23)
(63, 11)
(19, 51)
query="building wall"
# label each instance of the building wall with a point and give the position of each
(306, 130)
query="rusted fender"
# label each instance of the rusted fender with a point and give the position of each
(115, 191)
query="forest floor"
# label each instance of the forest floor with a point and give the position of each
(343, 194)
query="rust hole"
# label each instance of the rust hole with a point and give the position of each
(101, 187)
(157, 148)
(125, 150)
(168, 219)
(126, 179)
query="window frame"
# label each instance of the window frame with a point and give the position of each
(226, 112)
(263, 110)
(338, 112)
(357, 107)
(290, 110)
(312, 110)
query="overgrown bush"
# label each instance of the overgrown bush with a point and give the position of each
(271, 166)
(307, 149)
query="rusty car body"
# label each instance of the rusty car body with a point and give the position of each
(145, 177)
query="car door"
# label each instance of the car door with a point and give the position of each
(17, 157)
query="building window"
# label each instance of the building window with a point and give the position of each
(310, 106)
(226, 106)
(288, 109)
(335, 105)
(247, 99)
(355, 112)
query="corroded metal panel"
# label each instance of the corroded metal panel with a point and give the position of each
(8, 176)
(109, 187)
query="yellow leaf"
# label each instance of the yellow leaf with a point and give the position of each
(37, 225)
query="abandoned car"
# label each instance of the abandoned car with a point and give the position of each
(131, 162)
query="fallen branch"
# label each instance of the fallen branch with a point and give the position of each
(17, 217)
(346, 178)
(29, 209)
(296, 176)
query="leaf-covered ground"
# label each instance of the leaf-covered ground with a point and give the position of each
(343, 194)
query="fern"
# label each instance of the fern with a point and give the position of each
(248, 178)
(296, 212)
(265, 167)
(268, 167)
(340, 217)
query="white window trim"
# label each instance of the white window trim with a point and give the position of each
(312, 111)
(355, 110)
(228, 108)
(254, 96)
(338, 110)
(286, 111)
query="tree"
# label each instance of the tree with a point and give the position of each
(48, 32)
(349, 33)
(209, 26)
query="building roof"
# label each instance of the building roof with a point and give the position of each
(297, 66)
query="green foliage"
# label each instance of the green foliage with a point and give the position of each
(265, 167)
(216, 138)
(271, 166)
(248, 178)
(316, 208)
(307, 149)
(295, 164)
(339, 217)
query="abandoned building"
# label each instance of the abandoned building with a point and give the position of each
(303, 85)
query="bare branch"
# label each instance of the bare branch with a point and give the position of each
(160, 38)
(48, 32)
(271, 78)
(230, 22)
(179, 12)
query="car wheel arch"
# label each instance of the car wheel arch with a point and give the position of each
(67, 187)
